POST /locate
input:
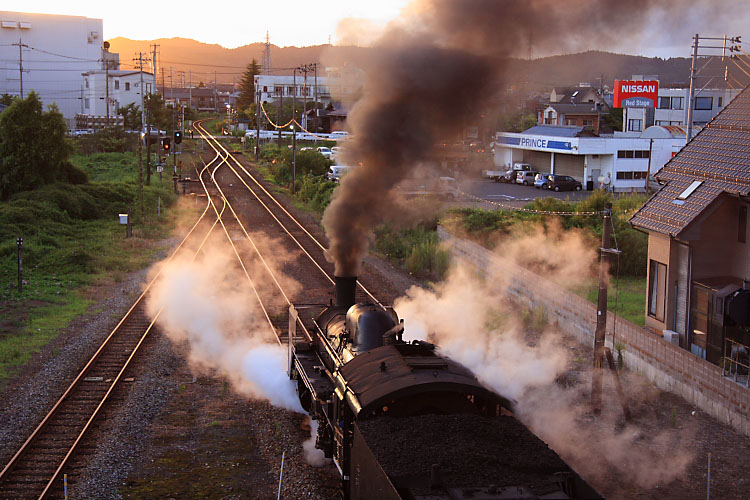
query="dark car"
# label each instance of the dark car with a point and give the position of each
(562, 183)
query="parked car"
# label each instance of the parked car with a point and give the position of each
(336, 172)
(526, 177)
(541, 181)
(339, 135)
(325, 151)
(563, 183)
(335, 152)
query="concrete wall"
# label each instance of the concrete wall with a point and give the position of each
(666, 365)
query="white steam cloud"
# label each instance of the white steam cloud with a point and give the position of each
(207, 306)
(473, 322)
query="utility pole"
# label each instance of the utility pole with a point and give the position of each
(317, 113)
(278, 112)
(601, 313)
(294, 132)
(148, 141)
(20, 46)
(190, 90)
(693, 70)
(155, 46)
(144, 135)
(216, 94)
(304, 97)
(257, 126)
(650, 154)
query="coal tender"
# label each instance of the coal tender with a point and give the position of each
(400, 421)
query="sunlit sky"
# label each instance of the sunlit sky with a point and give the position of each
(302, 23)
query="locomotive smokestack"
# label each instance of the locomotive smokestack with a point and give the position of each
(346, 287)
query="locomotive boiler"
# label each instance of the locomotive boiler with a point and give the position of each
(369, 389)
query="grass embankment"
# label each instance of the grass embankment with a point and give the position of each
(628, 282)
(72, 238)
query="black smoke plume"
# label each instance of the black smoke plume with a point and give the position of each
(434, 70)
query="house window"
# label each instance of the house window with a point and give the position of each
(639, 175)
(657, 289)
(677, 102)
(635, 125)
(588, 123)
(265, 89)
(86, 103)
(704, 103)
(721, 101)
(117, 84)
(127, 86)
(664, 103)
(87, 82)
(742, 224)
(290, 91)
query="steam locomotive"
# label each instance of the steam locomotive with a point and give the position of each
(400, 421)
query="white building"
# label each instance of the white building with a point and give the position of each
(54, 51)
(124, 89)
(272, 87)
(672, 108)
(622, 160)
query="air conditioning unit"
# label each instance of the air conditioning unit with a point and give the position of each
(672, 336)
(8, 24)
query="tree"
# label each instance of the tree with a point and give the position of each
(6, 99)
(131, 115)
(247, 85)
(161, 116)
(33, 149)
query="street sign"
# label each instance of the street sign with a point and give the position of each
(159, 169)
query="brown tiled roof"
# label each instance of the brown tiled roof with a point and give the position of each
(719, 156)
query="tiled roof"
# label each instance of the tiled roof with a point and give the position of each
(719, 156)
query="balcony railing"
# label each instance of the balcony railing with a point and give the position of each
(736, 362)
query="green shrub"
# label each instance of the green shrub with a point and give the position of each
(315, 192)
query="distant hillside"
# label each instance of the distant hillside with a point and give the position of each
(203, 59)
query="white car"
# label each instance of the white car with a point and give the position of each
(339, 135)
(325, 151)
(336, 172)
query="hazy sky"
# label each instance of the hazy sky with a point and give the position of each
(300, 23)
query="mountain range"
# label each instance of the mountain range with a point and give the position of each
(207, 62)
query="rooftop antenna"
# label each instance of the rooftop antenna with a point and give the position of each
(266, 68)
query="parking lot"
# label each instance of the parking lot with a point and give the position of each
(490, 190)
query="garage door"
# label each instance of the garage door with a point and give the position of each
(571, 165)
(539, 160)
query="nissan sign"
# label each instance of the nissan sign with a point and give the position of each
(636, 93)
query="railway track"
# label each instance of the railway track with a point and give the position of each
(42, 466)
(317, 274)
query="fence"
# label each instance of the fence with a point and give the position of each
(667, 365)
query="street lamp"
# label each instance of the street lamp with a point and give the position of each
(294, 158)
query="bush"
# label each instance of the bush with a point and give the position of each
(315, 191)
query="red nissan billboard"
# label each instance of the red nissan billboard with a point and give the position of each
(636, 93)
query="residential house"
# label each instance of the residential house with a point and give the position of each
(698, 248)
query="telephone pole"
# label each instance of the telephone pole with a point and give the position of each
(601, 313)
(257, 126)
(20, 46)
(694, 70)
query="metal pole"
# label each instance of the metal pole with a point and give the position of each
(317, 112)
(601, 313)
(278, 112)
(294, 132)
(693, 69)
(106, 84)
(304, 98)
(281, 474)
(257, 128)
(708, 482)
(650, 153)
(19, 242)
(65, 486)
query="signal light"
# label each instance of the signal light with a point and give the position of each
(166, 143)
(177, 137)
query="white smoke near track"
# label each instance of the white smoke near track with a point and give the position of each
(207, 307)
(313, 455)
(473, 322)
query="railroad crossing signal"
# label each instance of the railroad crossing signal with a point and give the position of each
(177, 137)
(166, 143)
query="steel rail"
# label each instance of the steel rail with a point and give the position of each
(208, 137)
(75, 383)
(104, 399)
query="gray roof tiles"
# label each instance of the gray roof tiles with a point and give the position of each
(719, 156)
